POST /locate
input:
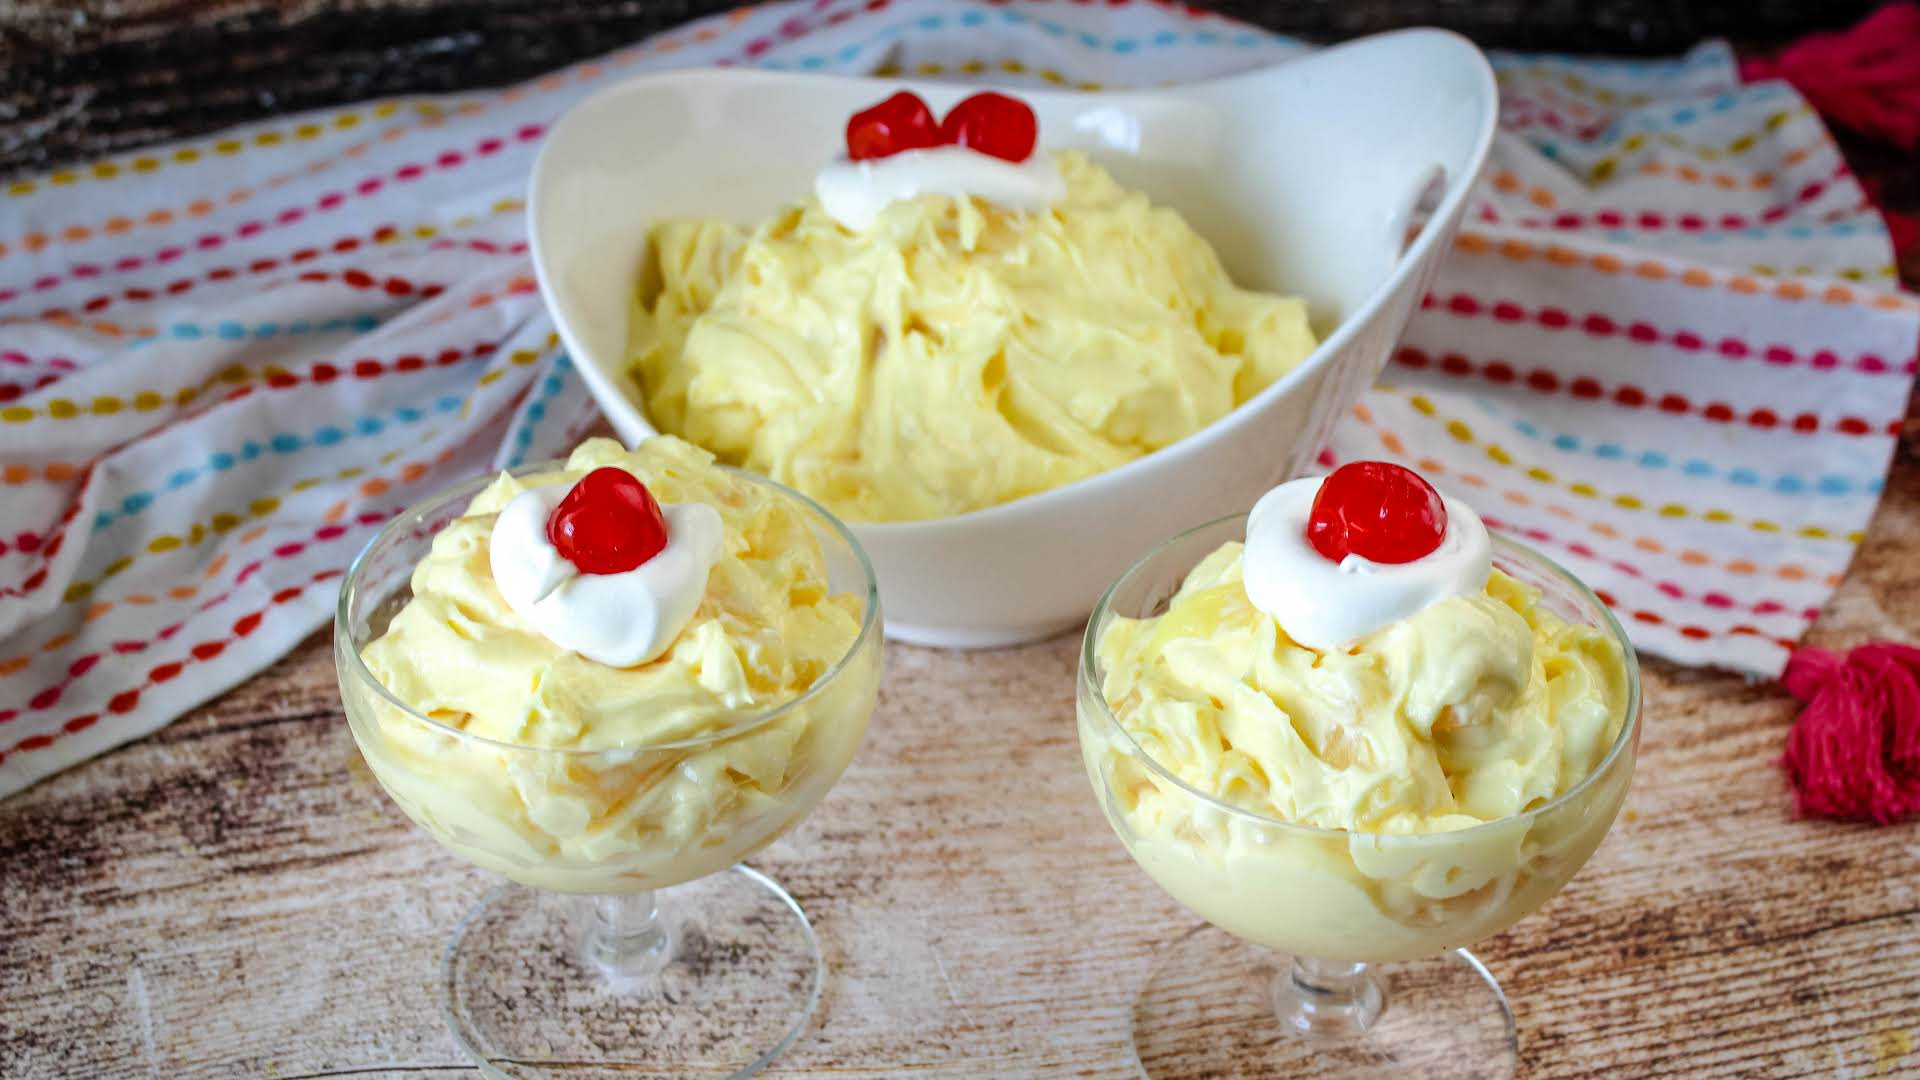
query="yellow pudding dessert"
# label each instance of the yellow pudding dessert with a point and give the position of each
(954, 353)
(567, 773)
(1474, 709)
(1372, 801)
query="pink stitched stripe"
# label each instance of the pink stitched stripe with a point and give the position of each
(129, 699)
(1656, 221)
(49, 696)
(49, 544)
(57, 363)
(798, 27)
(291, 215)
(353, 278)
(11, 391)
(1640, 332)
(484, 247)
(1520, 112)
(1627, 395)
(319, 373)
(1718, 601)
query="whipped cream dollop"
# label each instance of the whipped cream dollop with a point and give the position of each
(854, 192)
(1324, 604)
(621, 620)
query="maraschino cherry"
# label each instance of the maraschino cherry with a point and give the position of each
(902, 122)
(1380, 511)
(608, 524)
(993, 124)
(989, 123)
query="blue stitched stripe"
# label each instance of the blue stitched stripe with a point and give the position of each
(1739, 476)
(233, 331)
(551, 387)
(284, 443)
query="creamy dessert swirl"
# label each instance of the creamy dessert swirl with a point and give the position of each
(1324, 604)
(855, 192)
(620, 620)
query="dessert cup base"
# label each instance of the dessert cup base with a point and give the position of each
(1212, 1007)
(739, 984)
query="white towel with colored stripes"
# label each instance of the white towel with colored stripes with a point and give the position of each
(1669, 349)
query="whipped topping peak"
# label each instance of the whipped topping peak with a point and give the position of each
(621, 620)
(1324, 604)
(854, 192)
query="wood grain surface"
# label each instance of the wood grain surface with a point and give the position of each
(234, 896)
(79, 78)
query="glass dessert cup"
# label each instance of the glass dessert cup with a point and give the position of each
(630, 937)
(1282, 979)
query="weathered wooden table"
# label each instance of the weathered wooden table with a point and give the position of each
(234, 896)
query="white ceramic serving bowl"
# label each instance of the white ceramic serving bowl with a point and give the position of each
(1305, 176)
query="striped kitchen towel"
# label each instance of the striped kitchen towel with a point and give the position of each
(1669, 348)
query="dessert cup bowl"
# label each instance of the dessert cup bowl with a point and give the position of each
(667, 953)
(1329, 902)
(1307, 177)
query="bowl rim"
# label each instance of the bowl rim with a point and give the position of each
(1412, 259)
(1628, 735)
(463, 492)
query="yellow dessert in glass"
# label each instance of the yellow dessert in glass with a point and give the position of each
(570, 775)
(652, 780)
(953, 353)
(1407, 793)
(1446, 726)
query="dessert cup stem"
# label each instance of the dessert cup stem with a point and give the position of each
(626, 939)
(1328, 998)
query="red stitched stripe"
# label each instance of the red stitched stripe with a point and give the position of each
(1658, 221)
(1715, 600)
(129, 699)
(79, 668)
(363, 368)
(354, 278)
(1630, 396)
(50, 542)
(290, 215)
(1597, 325)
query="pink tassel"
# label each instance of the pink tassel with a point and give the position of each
(1855, 750)
(1866, 78)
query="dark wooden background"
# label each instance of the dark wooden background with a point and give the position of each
(81, 77)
